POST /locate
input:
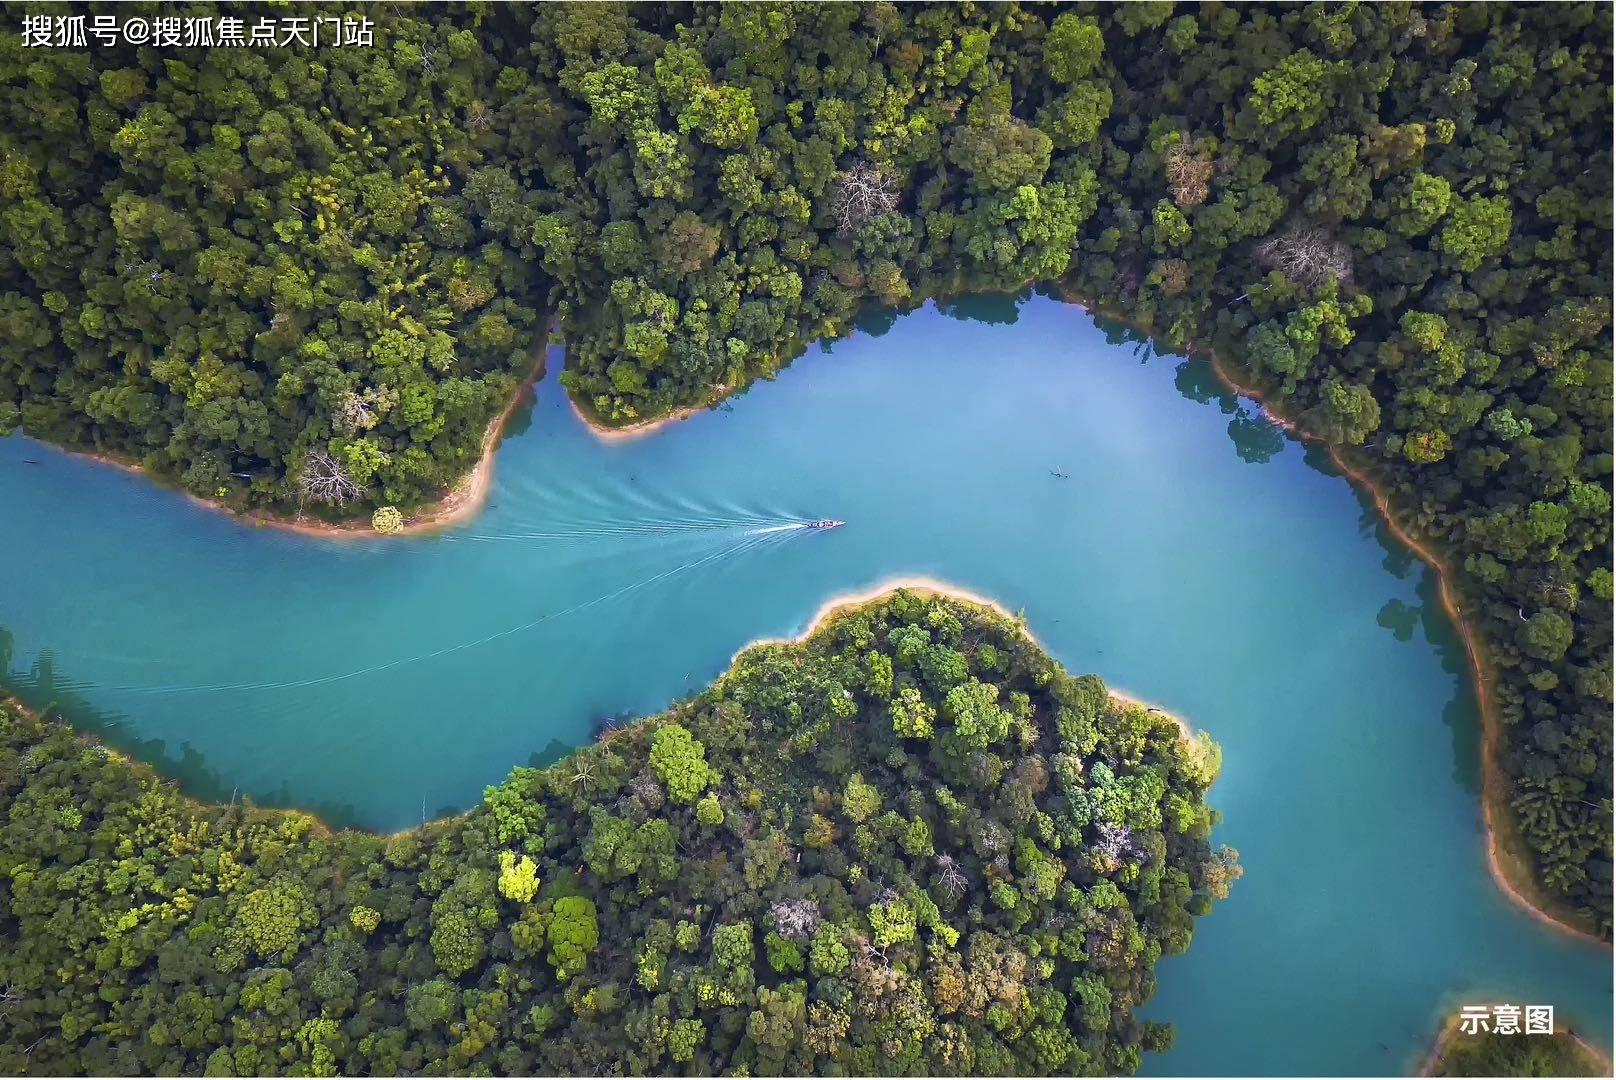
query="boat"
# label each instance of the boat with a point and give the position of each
(825, 523)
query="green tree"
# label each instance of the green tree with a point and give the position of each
(1073, 48)
(573, 934)
(681, 762)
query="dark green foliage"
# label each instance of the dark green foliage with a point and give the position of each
(1491, 1054)
(757, 246)
(987, 905)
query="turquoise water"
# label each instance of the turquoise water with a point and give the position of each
(1192, 554)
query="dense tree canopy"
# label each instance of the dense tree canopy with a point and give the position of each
(908, 844)
(280, 276)
(275, 275)
(1487, 1053)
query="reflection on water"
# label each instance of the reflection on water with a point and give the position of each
(1399, 618)
(49, 693)
(990, 309)
(1196, 380)
(1255, 439)
(1009, 445)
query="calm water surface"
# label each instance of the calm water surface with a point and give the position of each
(1190, 554)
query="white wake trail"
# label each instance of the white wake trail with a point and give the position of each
(752, 540)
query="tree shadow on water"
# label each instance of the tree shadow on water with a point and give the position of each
(553, 752)
(1195, 379)
(876, 321)
(48, 692)
(1461, 715)
(1120, 333)
(1257, 440)
(1399, 560)
(992, 309)
(1399, 618)
(521, 418)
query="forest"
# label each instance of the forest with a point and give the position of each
(907, 844)
(1487, 1053)
(295, 279)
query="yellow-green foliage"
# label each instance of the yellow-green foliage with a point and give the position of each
(364, 919)
(681, 762)
(518, 878)
(387, 519)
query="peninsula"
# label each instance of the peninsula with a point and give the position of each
(907, 842)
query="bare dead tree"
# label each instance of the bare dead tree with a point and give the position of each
(876, 956)
(1307, 255)
(1552, 588)
(951, 877)
(1189, 171)
(1116, 842)
(794, 918)
(324, 480)
(354, 413)
(360, 412)
(478, 118)
(646, 788)
(861, 194)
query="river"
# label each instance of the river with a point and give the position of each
(1155, 529)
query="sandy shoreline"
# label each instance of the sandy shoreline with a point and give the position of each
(917, 584)
(1523, 894)
(461, 503)
(929, 586)
(630, 432)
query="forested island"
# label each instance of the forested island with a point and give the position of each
(301, 280)
(906, 843)
(1488, 1053)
